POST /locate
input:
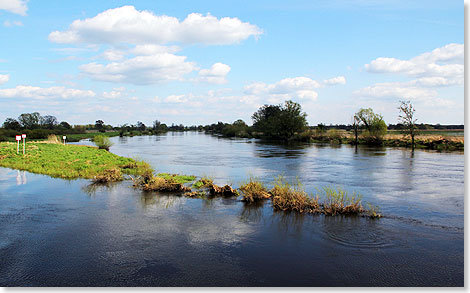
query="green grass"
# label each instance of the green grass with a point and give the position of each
(177, 178)
(69, 161)
(203, 182)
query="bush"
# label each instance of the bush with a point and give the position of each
(102, 142)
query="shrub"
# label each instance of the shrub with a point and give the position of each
(102, 142)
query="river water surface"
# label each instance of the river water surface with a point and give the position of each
(55, 232)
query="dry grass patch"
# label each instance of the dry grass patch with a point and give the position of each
(289, 197)
(253, 191)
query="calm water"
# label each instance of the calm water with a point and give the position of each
(63, 233)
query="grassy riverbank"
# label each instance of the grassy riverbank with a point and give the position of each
(66, 161)
(431, 141)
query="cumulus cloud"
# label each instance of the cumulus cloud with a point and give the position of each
(4, 78)
(440, 67)
(216, 74)
(34, 92)
(297, 87)
(141, 70)
(128, 25)
(14, 6)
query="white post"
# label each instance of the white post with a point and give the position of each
(24, 142)
(18, 138)
(64, 137)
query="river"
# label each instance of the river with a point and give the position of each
(55, 232)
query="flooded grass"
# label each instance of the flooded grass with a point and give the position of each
(338, 201)
(177, 177)
(292, 197)
(203, 182)
(253, 191)
(287, 197)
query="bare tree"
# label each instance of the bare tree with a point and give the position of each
(406, 117)
(356, 124)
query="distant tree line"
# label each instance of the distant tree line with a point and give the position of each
(285, 122)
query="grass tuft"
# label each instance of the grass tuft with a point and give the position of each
(253, 191)
(338, 201)
(289, 197)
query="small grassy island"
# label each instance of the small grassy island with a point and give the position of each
(66, 161)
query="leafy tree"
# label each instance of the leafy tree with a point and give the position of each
(30, 120)
(373, 123)
(49, 122)
(65, 125)
(406, 117)
(11, 123)
(141, 126)
(99, 124)
(280, 121)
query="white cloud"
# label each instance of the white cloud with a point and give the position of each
(115, 93)
(335, 80)
(150, 49)
(14, 6)
(398, 90)
(296, 87)
(113, 55)
(178, 98)
(33, 92)
(141, 70)
(8, 23)
(128, 25)
(216, 74)
(4, 78)
(440, 67)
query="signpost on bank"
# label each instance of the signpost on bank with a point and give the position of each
(18, 138)
(64, 138)
(24, 142)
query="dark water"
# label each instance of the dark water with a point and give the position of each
(63, 233)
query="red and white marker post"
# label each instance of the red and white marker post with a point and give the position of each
(24, 141)
(18, 138)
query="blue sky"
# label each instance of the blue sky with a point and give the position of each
(199, 62)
